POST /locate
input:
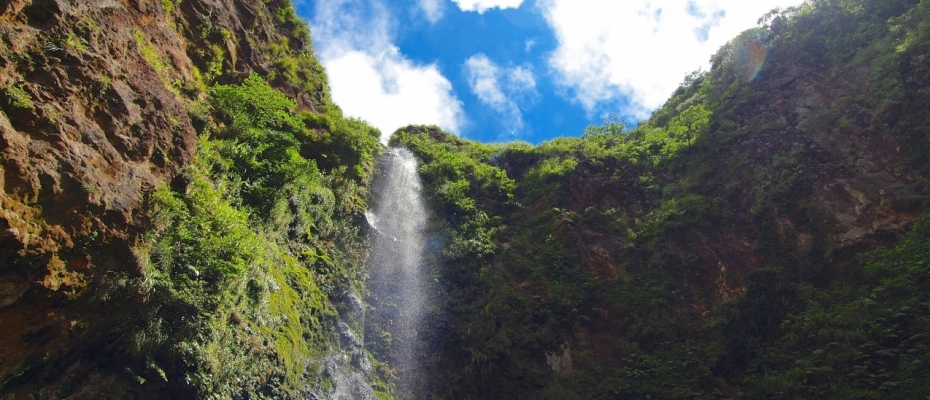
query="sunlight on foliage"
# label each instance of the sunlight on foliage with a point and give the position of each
(252, 241)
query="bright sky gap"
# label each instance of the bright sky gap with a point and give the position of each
(503, 70)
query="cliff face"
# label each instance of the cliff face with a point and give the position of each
(729, 246)
(182, 210)
(88, 123)
(102, 103)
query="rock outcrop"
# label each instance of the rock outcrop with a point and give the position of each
(100, 101)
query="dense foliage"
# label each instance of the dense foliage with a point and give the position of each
(696, 255)
(688, 257)
(864, 337)
(253, 243)
(744, 242)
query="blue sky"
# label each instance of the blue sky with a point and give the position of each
(502, 70)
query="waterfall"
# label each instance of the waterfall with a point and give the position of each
(398, 223)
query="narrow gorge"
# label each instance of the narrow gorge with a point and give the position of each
(186, 213)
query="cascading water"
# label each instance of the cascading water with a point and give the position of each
(399, 220)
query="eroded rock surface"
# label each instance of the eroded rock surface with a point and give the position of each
(98, 103)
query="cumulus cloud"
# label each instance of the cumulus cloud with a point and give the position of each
(480, 6)
(640, 50)
(371, 79)
(390, 92)
(501, 88)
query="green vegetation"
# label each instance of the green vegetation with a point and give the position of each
(250, 244)
(690, 256)
(152, 56)
(705, 253)
(150, 53)
(18, 97)
(103, 84)
(73, 45)
(858, 338)
(169, 5)
(460, 174)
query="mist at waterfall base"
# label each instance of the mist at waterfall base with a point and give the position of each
(397, 282)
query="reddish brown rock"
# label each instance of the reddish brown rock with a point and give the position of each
(96, 99)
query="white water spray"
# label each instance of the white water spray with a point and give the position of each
(399, 220)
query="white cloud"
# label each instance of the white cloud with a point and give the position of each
(501, 88)
(481, 6)
(530, 43)
(641, 50)
(432, 9)
(391, 92)
(371, 79)
(520, 79)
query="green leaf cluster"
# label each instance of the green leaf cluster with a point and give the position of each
(251, 243)
(859, 338)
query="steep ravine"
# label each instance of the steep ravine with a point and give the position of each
(184, 216)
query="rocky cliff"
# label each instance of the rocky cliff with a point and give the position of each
(182, 216)
(748, 241)
(102, 105)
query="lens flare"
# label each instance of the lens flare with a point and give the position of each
(750, 54)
